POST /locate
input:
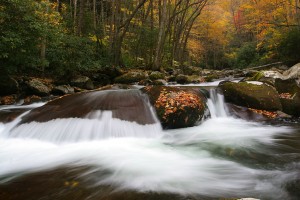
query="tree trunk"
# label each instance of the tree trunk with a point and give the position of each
(80, 17)
(161, 36)
(94, 15)
(120, 32)
(75, 16)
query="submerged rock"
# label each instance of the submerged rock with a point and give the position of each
(129, 105)
(32, 99)
(252, 95)
(175, 107)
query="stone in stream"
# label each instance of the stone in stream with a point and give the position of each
(37, 87)
(129, 105)
(287, 84)
(83, 82)
(131, 77)
(289, 92)
(252, 95)
(176, 107)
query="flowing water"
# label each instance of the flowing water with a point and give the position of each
(223, 157)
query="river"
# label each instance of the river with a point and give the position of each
(222, 157)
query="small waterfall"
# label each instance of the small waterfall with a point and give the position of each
(216, 104)
(91, 116)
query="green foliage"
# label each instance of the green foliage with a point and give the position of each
(71, 53)
(289, 47)
(23, 27)
(246, 55)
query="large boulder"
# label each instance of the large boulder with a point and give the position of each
(289, 92)
(37, 87)
(176, 107)
(8, 85)
(156, 75)
(190, 70)
(83, 82)
(131, 77)
(292, 73)
(252, 95)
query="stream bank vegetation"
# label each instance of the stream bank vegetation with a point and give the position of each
(58, 37)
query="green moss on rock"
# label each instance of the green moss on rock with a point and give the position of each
(131, 77)
(262, 96)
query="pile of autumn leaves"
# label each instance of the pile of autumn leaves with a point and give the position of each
(176, 107)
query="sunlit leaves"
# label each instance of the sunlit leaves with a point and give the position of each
(265, 113)
(177, 101)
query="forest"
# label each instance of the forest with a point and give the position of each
(58, 37)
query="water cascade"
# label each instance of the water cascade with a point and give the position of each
(90, 116)
(223, 157)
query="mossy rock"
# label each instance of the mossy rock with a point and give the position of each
(176, 107)
(195, 79)
(263, 97)
(182, 79)
(211, 77)
(190, 70)
(131, 77)
(291, 101)
(262, 76)
(156, 75)
(37, 87)
(256, 77)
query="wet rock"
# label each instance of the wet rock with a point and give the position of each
(128, 105)
(9, 115)
(37, 87)
(289, 92)
(83, 82)
(63, 89)
(195, 79)
(156, 75)
(8, 100)
(292, 73)
(8, 85)
(32, 99)
(176, 107)
(252, 95)
(182, 79)
(267, 77)
(190, 70)
(131, 77)
(145, 82)
(159, 82)
(111, 71)
(211, 77)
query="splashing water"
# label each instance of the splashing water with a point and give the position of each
(222, 157)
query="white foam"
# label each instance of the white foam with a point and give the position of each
(98, 125)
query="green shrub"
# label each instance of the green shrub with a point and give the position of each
(289, 47)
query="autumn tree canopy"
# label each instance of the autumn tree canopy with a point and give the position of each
(63, 36)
